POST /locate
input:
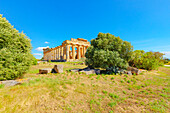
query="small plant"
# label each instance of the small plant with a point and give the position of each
(111, 112)
(82, 84)
(105, 92)
(113, 95)
(112, 78)
(128, 81)
(1, 85)
(124, 92)
(121, 81)
(125, 75)
(98, 76)
(111, 104)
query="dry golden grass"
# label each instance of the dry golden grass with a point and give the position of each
(77, 92)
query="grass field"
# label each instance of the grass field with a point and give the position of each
(76, 92)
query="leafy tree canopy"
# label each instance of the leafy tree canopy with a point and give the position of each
(108, 51)
(15, 51)
(146, 60)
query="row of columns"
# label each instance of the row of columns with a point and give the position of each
(63, 52)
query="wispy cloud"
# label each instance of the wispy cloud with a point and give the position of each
(46, 42)
(142, 41)
(167, 54)
(37, 54)
(41, 48)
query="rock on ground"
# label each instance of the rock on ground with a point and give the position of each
(10, 83)
(58, 68)
(45, 70)
(87, 71)
(134, 70)
(74, 70)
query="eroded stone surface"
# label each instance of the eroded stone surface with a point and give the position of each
(134, 70)
(63, 52)
(87, 71)
(10, 83)
(58, 68)
(45, 70)
(74, 70)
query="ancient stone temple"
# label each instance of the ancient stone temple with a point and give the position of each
(70, 50)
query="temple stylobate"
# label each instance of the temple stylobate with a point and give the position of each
(70, 50)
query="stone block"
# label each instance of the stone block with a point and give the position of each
(74, 70)
(97, 71)
(88, 72)
(45, 71)
(10, 83)
(129, 72)
(58, 68)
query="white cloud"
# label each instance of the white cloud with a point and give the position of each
(46, 42)
(167, 54)
(41, 48)
(37, 54)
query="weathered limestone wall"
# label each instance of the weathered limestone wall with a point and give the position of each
(70, 50)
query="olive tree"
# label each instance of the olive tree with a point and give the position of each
(15, 51)
(109, 52)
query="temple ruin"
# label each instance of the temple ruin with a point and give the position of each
(70, 50)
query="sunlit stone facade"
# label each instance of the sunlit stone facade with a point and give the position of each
(70, 50)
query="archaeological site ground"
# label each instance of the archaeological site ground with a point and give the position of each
(84, 56)
(70, 92)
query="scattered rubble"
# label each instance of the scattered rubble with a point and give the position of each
(8, 83)
(45, 71)
(87, 70)
(58, 68)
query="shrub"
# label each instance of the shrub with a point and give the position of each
(34, 60)
(15, 51)
(49, 61)
(146, 60)
(168, 63)
(108, 52)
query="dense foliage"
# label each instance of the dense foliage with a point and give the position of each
(146, 60)
(166, 61)
(108, 51)
(15, 51)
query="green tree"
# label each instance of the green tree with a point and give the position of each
(108, 52)
(15, 51)
(146, 60)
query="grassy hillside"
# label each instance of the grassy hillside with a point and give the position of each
(77, 92)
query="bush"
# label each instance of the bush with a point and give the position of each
(34, 60)
(108, 52)
(168, 63)
(146, 60)
(15, 51)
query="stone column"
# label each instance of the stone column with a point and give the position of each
(59, 53)
(84, 51)
(55, 53)
(62, 52)
(78, 52)
(73, 52)
(67, 53)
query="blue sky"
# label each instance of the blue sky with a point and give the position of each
(145, 23)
